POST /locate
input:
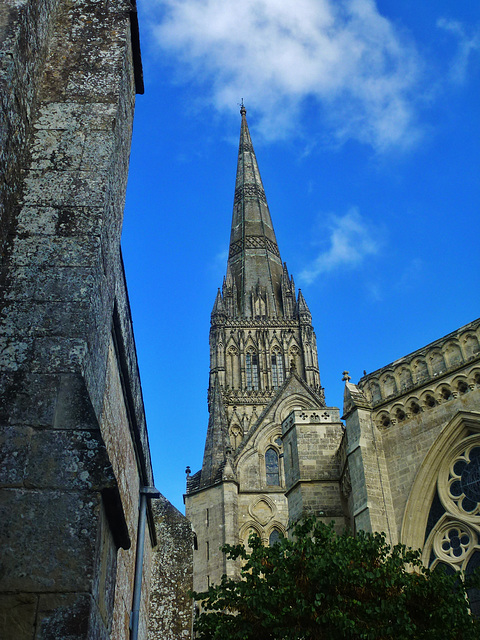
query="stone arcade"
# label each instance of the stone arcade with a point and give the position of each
(407, 461)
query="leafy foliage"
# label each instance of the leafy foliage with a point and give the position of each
(323, 586)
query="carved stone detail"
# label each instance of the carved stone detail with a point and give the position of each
(254, 242)
(249, 191)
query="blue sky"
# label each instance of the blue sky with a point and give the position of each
(365, 122)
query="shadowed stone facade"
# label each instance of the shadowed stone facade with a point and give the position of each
(407, 461)
(74, 451)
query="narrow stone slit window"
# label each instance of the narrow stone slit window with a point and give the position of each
(271, 464)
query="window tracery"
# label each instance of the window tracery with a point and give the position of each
(271, 467)
(251, 370)
(277, 369)
(452, 537)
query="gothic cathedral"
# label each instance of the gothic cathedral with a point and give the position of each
(406, 461)
(263, 367)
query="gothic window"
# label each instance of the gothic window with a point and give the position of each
(452, 531)
(271, 465)
(251, 370)
(235, 435)
(274, 537)
(277, 369)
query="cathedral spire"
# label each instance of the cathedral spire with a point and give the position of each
(254, 259)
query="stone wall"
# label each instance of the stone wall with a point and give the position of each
(171, 607)
(74, 448)
(311, 439)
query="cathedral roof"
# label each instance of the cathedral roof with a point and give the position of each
(254, 259)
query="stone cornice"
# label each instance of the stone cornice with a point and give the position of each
(426, 366)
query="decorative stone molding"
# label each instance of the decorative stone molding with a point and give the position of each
(425, 366)
(445, 390)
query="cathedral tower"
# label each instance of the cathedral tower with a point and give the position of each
(263, 366)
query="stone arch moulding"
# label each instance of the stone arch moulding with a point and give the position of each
(460, 427)
(287, 405)
(276, 525)
(247, 529)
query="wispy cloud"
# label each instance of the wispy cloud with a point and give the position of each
(468, 45)
(351, 239)
(342, 56)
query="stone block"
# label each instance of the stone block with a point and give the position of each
(71, 460)
(59, 355)
(68, 115)
(48, 540)
(28, 399)
(17, 616)
(60, 251)
(69, 617)
(49, 283)
(69, 188)
(14, 450)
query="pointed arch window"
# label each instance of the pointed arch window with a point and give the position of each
(449, 522)
(277, 369)
(271, 466)
(251, 370)
(274, 537)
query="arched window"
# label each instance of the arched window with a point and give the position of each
(251, 370)
(277, 369)
(271, 465)
(274, 537)
(445, 503)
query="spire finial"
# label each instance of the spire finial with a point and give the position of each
(243, 111)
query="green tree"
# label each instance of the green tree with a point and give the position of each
(323, 586)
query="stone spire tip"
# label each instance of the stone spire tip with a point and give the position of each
(243, 111)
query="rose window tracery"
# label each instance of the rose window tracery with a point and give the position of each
(453, 543)
(464, 480)
(453, 530)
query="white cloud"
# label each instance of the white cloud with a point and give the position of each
(468, 44)
(342, 56)
(350, 241)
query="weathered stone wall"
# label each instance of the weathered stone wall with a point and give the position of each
(171, 607)
(74, 448)
(206, 511)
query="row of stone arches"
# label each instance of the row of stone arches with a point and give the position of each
(397, 379)
(429, 398)
(254, 371)
(268, 535)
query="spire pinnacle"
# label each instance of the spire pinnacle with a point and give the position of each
(243, 111)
